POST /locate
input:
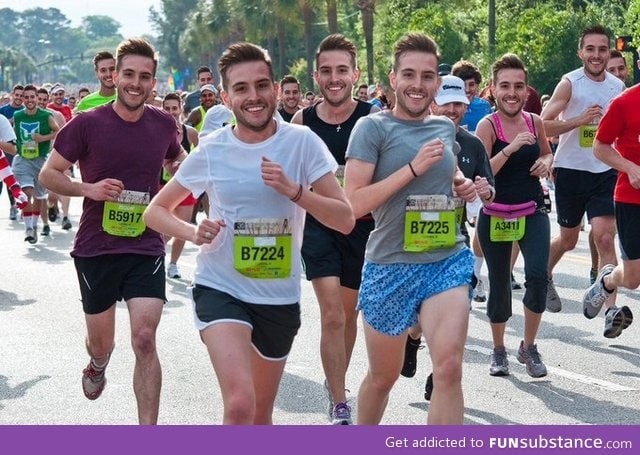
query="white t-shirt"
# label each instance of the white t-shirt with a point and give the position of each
(7, 133)
(585, 92)
(229, 171)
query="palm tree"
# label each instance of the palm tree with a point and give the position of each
(367, 10)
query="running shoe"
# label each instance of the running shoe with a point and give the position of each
(514, 284)
(428, 387)
(173, 271)
(93, 378)
(596, 295)
(66, 223)
(53, 213)
(31, 236)
(13, 213)
(499, 363)
(46, 230)
(554, 304)
(410, 357)
(342, 415)
(479, 294)
(616, 320)
(532, 359)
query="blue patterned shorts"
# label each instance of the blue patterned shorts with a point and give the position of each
(391, 294)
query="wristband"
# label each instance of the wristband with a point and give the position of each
(412, 171)
(503, 152)
(298, 195)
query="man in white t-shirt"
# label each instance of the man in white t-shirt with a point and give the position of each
(257, 174)
(583, 182)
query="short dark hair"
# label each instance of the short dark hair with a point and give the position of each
(466, 70)
(289, 79)
(30, 87)
(83, 89)
(338, 42)
(172, 96)
(593, 30)
(103, 55)
(42, 90)
(363, 86)
(203, 69)
(508, 61)
(418, 42)
(136, 46)
(614, 53)
(241, 53)
(17, 87)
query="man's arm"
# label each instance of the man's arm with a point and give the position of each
(53, 177)
(53, 125)
(194, 117)
(557, 104)
(611, 157)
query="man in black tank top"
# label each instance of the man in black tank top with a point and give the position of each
(290, 97)
(333, 261)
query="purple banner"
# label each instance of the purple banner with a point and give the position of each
(321, 440)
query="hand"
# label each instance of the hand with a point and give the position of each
(522, 139)
(483, 189)
(591, 115)
(105, 190)
(38, 137)
(634, 176)
(273, 176)
(428, 155)
(539, 169)
(464, 188)
(207, 230)
(21, 199)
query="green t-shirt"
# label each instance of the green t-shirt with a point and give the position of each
(94, 100)
(25, 125)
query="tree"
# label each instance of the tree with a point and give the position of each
(367, 10)
(99, 27)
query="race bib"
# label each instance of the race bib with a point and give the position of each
(262, 248)
(587, 135)
(502, 230)
(30, 150)
(340, 175)
(430, 223)
(123, 218)
(165, 175)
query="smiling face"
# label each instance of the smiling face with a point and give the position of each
(134, 81)
(454, 111)
(415, 82)
(335, 76)
(618, 67)
(251, 95)
(594, 54)
(510, 89)
(104, 73)
(30, 100)
(290, 94)
(173, 107)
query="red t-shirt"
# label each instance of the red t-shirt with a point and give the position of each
(63, 109)
(621, 124)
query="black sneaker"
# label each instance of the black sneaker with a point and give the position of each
(66, 224)
(514, 284)
(46, 230)
(616, 320)
(410, 357)
(428, 387)
(53, 213)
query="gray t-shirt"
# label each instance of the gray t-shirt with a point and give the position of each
(390, 143)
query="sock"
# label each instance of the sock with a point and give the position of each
(28, 221)
(34, 219)
(477, 265)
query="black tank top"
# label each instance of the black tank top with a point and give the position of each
(335, 136)
(514, 182)
(185, 145)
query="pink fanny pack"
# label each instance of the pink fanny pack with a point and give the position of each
(510, 211)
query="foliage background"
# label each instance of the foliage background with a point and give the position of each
(38, 45)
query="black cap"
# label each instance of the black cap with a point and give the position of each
(444, 69)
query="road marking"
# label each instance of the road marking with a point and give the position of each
(567, 374)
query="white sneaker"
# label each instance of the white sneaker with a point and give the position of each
(479, 294)
(173, 271)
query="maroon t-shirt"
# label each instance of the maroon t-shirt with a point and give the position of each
(106, 146)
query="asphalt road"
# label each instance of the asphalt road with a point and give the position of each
(592, 380)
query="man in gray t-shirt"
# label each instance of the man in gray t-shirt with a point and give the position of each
(401, 166)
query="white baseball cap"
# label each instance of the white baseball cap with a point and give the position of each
(451, 91)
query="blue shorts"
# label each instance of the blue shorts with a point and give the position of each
(391, 294)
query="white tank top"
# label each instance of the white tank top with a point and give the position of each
(575, 147)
